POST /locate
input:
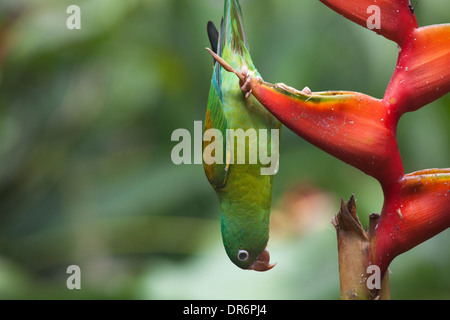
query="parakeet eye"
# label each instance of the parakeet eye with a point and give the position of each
(242, 255)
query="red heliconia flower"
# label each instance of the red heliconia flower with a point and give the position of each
(361, 130)
(417, 206)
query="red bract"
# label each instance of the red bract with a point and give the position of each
(422, 74)
(353, 127)
(415, 209)
(397, 19)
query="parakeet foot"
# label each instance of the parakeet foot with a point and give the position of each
(306, 90)
(245, 85)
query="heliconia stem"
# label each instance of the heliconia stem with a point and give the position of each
(354, 255)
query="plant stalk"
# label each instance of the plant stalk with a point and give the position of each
(357, 280)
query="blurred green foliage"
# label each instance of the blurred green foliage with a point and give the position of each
(86, 176)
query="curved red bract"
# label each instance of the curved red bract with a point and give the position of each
(415, 209)
(397, 18)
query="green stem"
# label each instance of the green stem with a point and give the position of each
(356, 279)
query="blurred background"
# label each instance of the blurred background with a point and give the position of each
(86, 177)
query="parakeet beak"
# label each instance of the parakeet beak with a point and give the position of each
(262, 262)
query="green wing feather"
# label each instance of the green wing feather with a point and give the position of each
(215, 115)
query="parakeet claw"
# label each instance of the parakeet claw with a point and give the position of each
(245, 85)
(307, 90)
(262, 262)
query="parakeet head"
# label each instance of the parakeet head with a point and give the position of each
(245, 241)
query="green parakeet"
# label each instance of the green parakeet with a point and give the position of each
(243, 190)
